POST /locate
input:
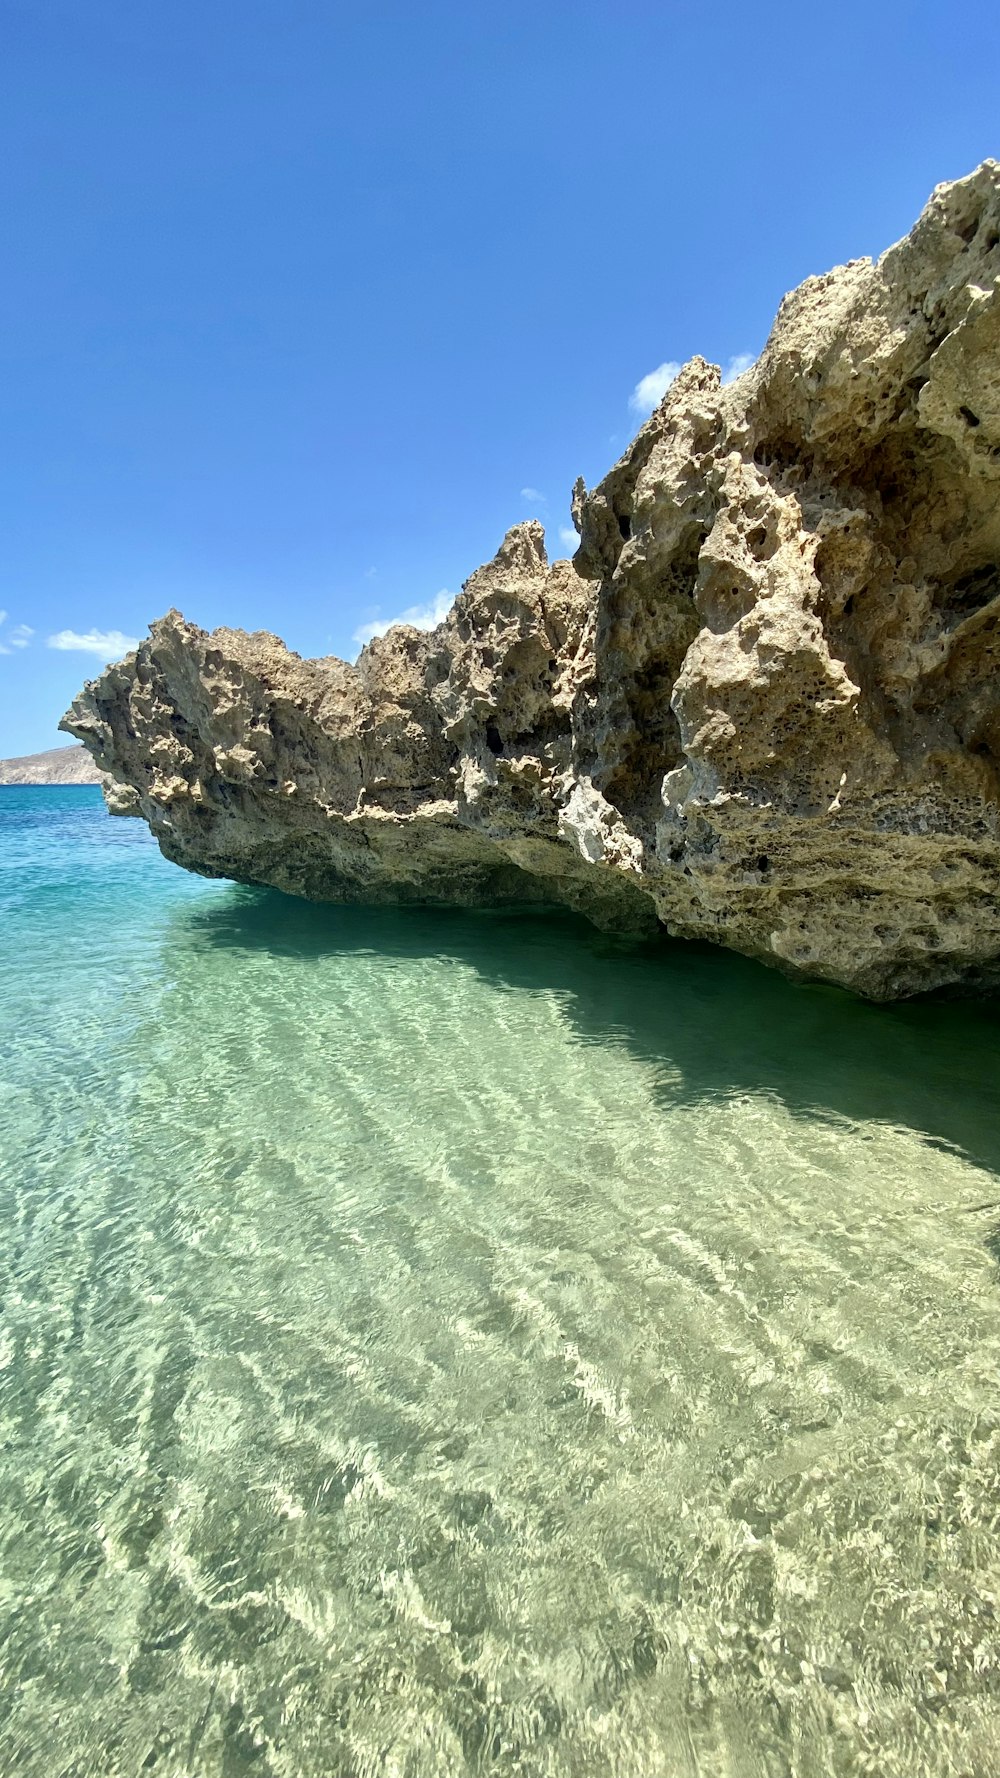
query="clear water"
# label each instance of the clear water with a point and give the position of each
(436, 1344)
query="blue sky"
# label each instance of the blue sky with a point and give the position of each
(305, 304)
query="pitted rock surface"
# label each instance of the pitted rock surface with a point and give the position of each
(761, 706)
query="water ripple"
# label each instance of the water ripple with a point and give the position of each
(463, 1344)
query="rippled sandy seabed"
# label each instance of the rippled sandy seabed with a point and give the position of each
(437, 1344)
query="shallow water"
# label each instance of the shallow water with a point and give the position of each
(448, 1343)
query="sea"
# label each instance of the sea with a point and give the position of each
(436, 1343)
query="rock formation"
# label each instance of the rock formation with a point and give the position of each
(761, 706)
(57, 765)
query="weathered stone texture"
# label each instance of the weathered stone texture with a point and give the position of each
(762, 705)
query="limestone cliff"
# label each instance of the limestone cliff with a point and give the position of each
(762, 706)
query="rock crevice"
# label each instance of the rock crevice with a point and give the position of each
(761, 706)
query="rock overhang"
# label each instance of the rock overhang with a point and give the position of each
(761, 706)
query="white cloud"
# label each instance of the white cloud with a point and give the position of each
(108, 645)
(422, 617)
(651, 388)
(569, 539)
(18, 637)
(533, 496)
(740, 362)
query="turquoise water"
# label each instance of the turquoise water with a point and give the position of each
(444, 1344)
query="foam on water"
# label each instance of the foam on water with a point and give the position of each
(436, 1344)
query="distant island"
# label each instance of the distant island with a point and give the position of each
(59, 765)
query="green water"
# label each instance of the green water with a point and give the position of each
(437, 1344)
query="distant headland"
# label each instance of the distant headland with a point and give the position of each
(58, 765)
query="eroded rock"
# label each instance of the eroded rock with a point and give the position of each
(761, 706)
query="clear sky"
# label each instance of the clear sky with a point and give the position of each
(305, 303)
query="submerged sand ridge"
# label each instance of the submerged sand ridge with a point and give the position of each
(760, 706)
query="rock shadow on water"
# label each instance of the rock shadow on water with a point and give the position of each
(710, 1023)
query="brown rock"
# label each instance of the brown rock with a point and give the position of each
(762, 705)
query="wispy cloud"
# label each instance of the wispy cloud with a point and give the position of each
(569, 539)
(18, 637)
(533, 496)
(736, 365)
(108, 645)
(651, 388)
(421, 617)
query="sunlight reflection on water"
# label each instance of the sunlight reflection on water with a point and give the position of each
(436, 1344)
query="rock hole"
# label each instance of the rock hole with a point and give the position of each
(625, 526)
(848, 604)
(968, 416)
(992, 240)
(781, 453)
(763, 862)
(493, 741)
(971, 591)
(966, 231)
